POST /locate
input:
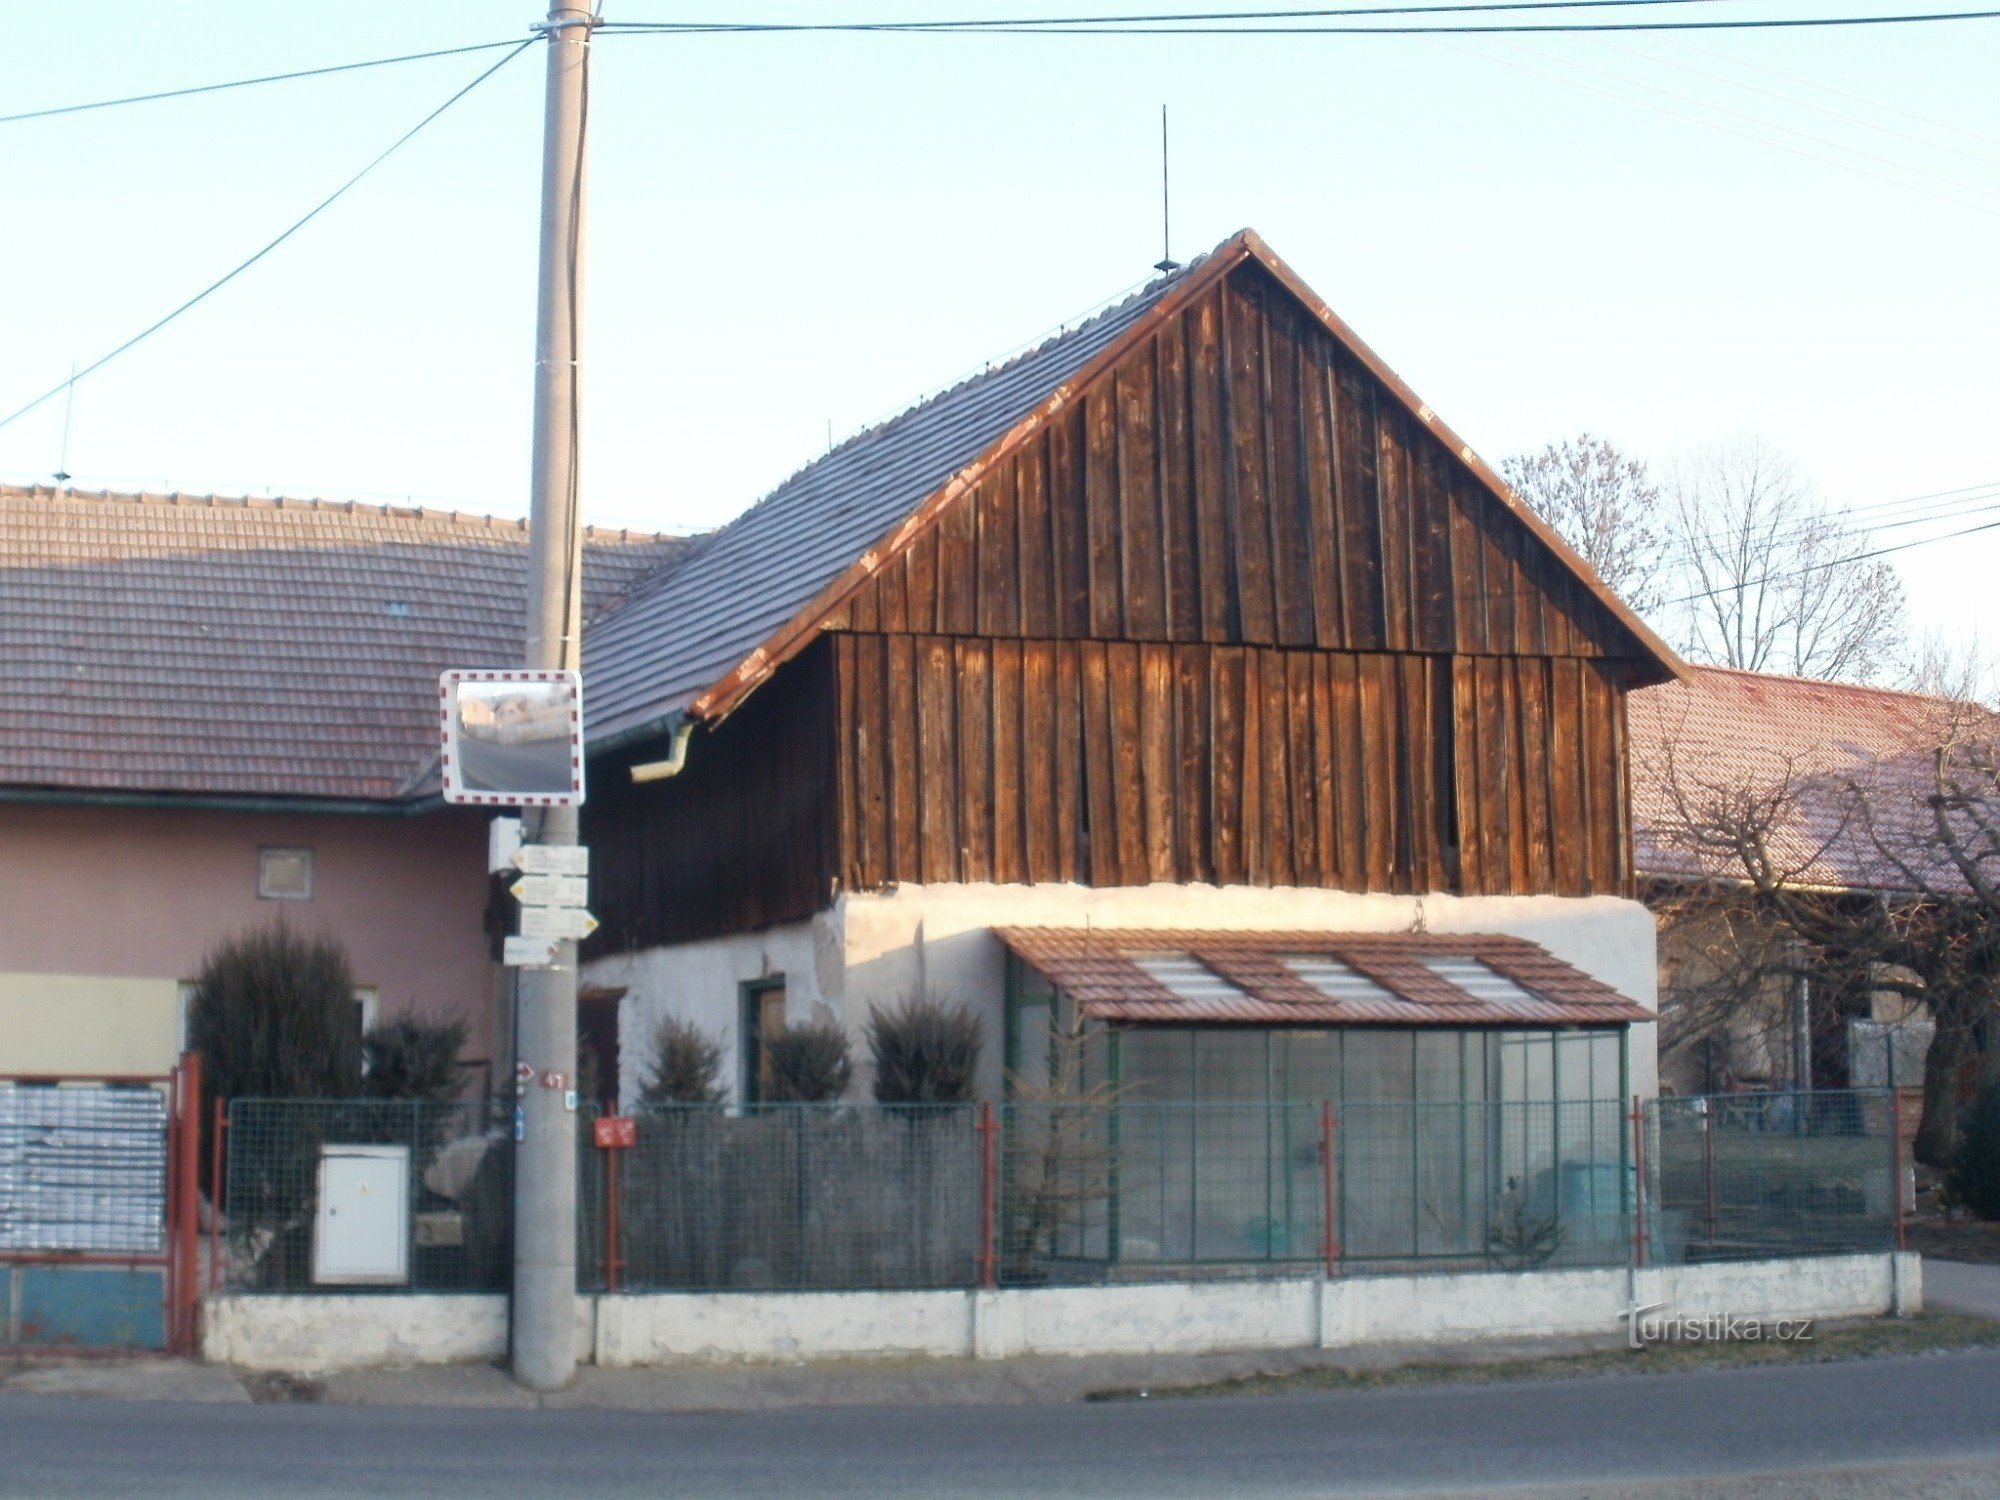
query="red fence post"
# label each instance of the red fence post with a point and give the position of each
(183, 1276)
(1639, 1181)
(988, 1129)
(215, 1198)
(1329, 1211)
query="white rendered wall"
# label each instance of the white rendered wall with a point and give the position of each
(870, 949)
(317, 1333)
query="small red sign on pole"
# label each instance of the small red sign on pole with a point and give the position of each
(616, 1132)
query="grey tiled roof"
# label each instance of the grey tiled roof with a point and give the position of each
(167, 643)
(685, 630)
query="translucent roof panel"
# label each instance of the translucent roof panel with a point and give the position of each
(1483, 982)
(1336, 980)
(1189, 978)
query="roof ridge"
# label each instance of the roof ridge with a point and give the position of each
(430, 515)
(1715, 669)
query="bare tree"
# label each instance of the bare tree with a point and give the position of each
(1777, 581)
(1606, 505)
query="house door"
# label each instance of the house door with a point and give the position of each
(597, 1046)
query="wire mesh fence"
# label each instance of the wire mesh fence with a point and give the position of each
(1749, 1176)
(426, 1191)
(845, 1196)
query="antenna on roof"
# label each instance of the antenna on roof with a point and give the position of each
(1166, 262)
(61, 475)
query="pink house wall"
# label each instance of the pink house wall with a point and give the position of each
(144, 893)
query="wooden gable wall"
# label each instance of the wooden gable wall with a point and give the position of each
(1236, 616)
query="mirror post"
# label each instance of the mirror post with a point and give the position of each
(544, 1302)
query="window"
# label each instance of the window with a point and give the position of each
(284, 874)
(763, 1007)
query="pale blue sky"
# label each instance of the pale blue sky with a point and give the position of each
(1541, 235)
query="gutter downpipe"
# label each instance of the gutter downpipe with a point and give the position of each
(660, 770)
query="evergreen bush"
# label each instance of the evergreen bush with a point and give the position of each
(685, 1066)
(411, 1059)
(926, 1050)
(807, 1063)
(273, 1015)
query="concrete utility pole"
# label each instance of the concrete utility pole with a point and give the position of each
(544, 1310)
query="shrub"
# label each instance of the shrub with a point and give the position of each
(685, 1066)
(411, 1059)
(926, 1051)
(808, 1063)
(273, 1016)
(1975, 1172)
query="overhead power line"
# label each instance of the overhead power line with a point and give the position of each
(314, 212)
(244, 83)
(1174, 17)
(1837, 562)
(1263, 23)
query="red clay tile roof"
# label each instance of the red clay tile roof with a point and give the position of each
(185, 644)
(1318, 978)
(1805, 746)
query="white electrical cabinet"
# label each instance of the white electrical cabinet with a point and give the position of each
(361, 1236)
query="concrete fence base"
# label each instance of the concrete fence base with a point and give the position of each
(318, 1333)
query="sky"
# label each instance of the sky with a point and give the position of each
(1664, 240)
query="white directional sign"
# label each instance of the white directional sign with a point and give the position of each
(528, 952)
(551, 890)
(557, 922)
(552, 859)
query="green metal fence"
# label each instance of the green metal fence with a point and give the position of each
(863, 1197)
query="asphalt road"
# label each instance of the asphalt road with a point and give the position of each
(1940, 1411)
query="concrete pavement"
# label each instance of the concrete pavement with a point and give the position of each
(1960, 1287)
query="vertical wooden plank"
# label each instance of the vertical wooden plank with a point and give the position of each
(1499, 578)
(861, 613)
(1571, 842)
(1040, 761)
(1194, 765)
(1213, 498)
(920, 581)
(1392, 500)
(892, 594)
(1468, 778)
(1256, 844)
(937, 754)
(1291, 494)
(1225, 782)
(1037, 558)
(1010, 855)
(848, 736)
(958, 564)
(1350, 769)
(1322, 491)
(1100, 813)
(1413, 718)
(1072, 814)
(1436, 621)
(999, 547)
(1303, 791)
(1069, 523)
(1626, 871)
(1378, 710)
(1156, 758)
(1121, 660)
(1100, 498)
(1277, 778)
(1467, 568)
(871, 755)
(1177, 486)
(1142, 549)
(1243, 328)
(1360, 519)
(905, 847)
(1443, 771)
(1530, 638)
(1603, 780)
(1496, 778)
(1517, 782)
(975, 760)
(1541, 808)
(1326, 803)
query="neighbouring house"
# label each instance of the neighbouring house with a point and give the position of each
(1815, 780)
(1186, 679)
(223, 713)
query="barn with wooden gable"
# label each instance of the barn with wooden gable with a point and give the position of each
(1187, 675)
